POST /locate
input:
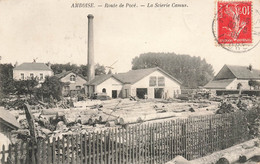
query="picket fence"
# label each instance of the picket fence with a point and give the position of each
(144, 143)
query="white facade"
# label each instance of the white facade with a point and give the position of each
(141, 88)
(235, 82)
(110, 85)
(170, 89)
(27, 74)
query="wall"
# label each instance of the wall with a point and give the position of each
(79, 81)
(36, 73)
(170, 85)
(233, 85)
(110, 84)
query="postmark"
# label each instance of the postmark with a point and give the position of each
(236, 25)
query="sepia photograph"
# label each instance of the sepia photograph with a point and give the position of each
(129, 82)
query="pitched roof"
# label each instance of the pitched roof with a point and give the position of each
(135, 75)
(100, 79)
(218, 84)
(242, 72)
(130, 77)
(33, 66)
(63, 74)
(8, 117)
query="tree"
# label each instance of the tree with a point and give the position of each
(192, 71)
(6, 79)
(81, 70)
(25, 87)
(51, 87)
(254, 84)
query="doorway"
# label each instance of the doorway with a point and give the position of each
(158, 92)
(140, 92)
(114, 94)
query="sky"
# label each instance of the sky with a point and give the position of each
(52, 31)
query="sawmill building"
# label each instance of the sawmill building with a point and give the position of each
(141, 83)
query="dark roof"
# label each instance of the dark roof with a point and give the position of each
(100, 79)
(218, 84)
(63, 74)
(242, 72)
(8, 117)
(33, 66)
(130, 77)
(135, 75)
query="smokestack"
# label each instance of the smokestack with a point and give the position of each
(91, 69)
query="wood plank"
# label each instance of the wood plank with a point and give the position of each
(127, 139)
(63, 150)
(44, 152)
(68, 149)
(116, 149)
(49, 154)
(109, 147)
(101, 147)
(98, 144)
(3, 154)
(85, 148)
(16, 153)
(77, 148)
(58, 150)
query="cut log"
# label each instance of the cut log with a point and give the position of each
(249, 154)
(229, 157)
(53, 111)
(110, 124)
(106, 118)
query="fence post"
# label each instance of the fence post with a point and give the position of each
(183, 136)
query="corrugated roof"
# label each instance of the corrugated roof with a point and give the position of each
(8, 117)
(130, 77)
(33, 66)
(218, 84)
(242, 72)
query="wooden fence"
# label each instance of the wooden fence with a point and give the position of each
(144, 143)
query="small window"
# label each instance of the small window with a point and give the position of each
(41, 76)
(66, 88)
(31, 75)
(22, 76)
(161, 81)
(104, 90)
(72, 78)
(152, 81)
(78, 87)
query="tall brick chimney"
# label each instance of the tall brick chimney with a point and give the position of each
(91, 64)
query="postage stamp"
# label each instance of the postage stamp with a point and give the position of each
(234, 22)
(236, 25)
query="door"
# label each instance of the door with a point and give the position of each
(114, 94)
(158, 92)
(140, 92)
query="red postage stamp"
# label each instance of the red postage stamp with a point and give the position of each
(234, 22)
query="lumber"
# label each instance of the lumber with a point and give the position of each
(249, 154)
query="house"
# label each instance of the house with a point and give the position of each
(142, 83)
(31, 70)
(74, 83)
(232, 77)
(7, 123)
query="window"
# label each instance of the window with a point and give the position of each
(152, 81)
(66, 88)
(104, 90)
(78, 87)
(161, 81)
(31, 75)
(22, 76)
(72, 78)
(41, 76)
